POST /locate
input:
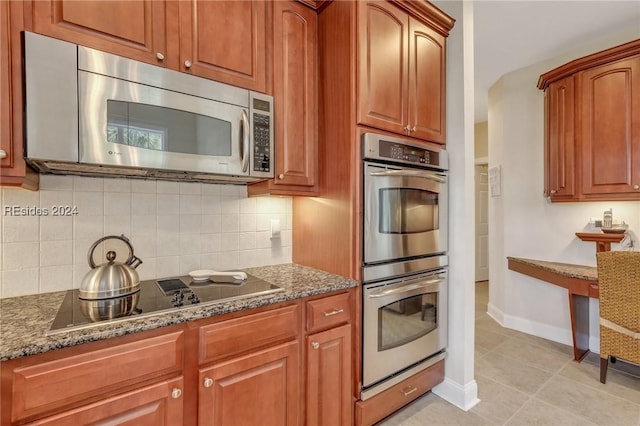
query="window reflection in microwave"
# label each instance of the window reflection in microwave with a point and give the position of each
(407, 211)
(406, 320)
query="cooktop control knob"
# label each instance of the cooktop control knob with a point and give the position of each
(193, 298)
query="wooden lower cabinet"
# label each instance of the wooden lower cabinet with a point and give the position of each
(388, 401)
(260, 388)
(329, 377)
(159, 404)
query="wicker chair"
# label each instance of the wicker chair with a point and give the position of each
(619, 282)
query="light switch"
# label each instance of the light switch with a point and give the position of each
(275, 228)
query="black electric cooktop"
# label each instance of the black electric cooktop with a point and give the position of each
(153, 297)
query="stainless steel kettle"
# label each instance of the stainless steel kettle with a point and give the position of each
(111, 279)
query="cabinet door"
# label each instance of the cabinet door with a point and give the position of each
(382, 66)
(6, 143)
(159, 404)
(295, 98)
(257, 389)
(135, 29)
(427, 108)
(610, 128)
(329, 377)
(560, 152)
(225, 41)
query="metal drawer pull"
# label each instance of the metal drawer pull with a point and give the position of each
(409, 392)
(335, 311)
(315, 345)
(208, 382)
(176, 393)
(3, 153)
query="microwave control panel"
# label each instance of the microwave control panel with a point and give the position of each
(261, 142)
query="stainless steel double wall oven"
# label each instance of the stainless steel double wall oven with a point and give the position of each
(405, 198)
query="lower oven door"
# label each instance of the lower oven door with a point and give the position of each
(404, 322)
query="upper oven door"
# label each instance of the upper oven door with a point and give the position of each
(405, 213)
(135, 125)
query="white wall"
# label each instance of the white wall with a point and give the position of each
(522, 223)
(174, 228)
(460, 387)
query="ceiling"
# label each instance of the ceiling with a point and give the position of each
(509, 35)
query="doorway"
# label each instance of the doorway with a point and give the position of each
(482, 221)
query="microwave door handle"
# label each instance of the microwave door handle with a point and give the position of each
(410, 173)
(404, 289)
(244, 141)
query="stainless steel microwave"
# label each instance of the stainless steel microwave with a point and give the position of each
(94, 113)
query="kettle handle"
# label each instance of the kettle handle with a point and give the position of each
(130, 260)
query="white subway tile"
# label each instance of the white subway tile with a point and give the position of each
(56, 253)
(144, 246)
(210, 224)
(168, 204)
(229, 223)
(20, 255)
(168, 224)
(117, 185)
(20, 229)
(56, 278)
(227, 260)
(20, 197)
(211, 189)
(190, 204)
(143, 204)
(211, 204)
(248, 206)
(56, 183)
(166, 187)
(144, 225)
(117, 204)
(247, 222)
(190, 188)
(229, 205)
(147, 270)
(190, 243)
(246, 240)
(263, 222)
(190, 224)
(88, 227)
(117, 225)
(20, 282)
(88, 184)
(59, 203)
(168, 244)
(168, 266)
(228, 241)
(263, 239)
(210, 243)
(56, 228)
(89, 203)
(188, 263)
(143, 186)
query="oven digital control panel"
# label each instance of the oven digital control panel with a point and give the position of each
(395, 150)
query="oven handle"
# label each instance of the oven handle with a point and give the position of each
(405, 288)
(410, 173)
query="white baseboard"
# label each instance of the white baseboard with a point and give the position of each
(464, 397)
(535, 328)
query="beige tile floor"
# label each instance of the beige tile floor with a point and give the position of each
(526, 380)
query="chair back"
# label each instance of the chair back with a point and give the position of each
(619, 286)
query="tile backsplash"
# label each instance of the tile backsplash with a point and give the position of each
(174, 227)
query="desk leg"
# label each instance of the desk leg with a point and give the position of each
(579, 309)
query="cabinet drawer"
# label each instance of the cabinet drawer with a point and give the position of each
(59, 383)
(386, 402)
(328, 312)
(236, 336)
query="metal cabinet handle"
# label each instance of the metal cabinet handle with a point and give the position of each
(315, 345)
(634, 186)
(187, 64)
(553, 191)
(281, 176)
(208, 382)
(335, 311)
(413, 129)
(410, 391)
(176, 393)
(160, 56)
(3, 153)
(407, 128)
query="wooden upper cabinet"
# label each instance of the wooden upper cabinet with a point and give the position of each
(135, 29)
(295, 100)
(401, 72)
(592, 126)
(383, 84)
(560, 143)
(225, 41)
(610, 127)
(427, 107)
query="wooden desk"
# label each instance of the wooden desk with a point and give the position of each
(581, 283)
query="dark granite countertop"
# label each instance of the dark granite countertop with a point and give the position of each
(583, 272)
(24, 320)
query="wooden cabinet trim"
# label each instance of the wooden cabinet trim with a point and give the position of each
(428, 13)
(241, 335)
(66, 381)
(618, 52)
